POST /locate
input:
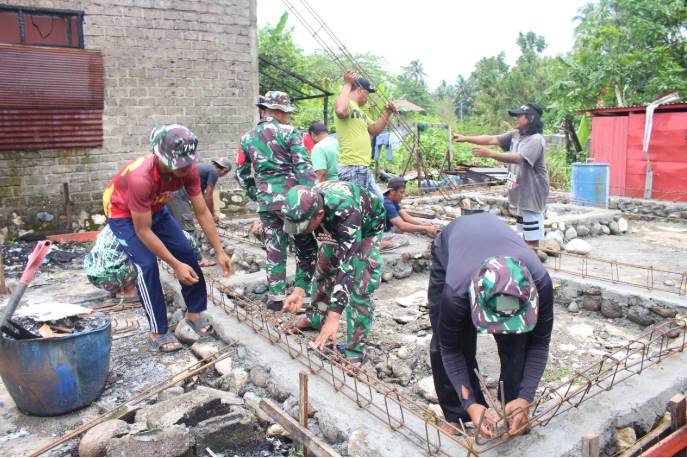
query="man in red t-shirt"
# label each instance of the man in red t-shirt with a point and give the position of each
(134, 203)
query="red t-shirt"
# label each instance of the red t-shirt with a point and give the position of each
(139, 187)
(308, 142)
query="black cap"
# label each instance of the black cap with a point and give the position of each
(395, 183)
(363, 83)
(528, 108)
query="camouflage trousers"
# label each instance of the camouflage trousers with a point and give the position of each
(275, 240)
(367, 270)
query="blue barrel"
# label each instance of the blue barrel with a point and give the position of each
(53, 376)
(590, 184)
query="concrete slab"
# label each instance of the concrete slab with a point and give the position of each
(640, 400)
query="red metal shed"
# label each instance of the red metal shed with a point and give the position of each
(617, 139)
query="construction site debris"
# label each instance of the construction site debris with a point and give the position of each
(95, 441)
(357, 444)
(43, 311)
(578, 246)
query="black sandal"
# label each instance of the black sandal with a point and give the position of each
(158, 343)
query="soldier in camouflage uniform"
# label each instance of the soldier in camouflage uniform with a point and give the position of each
(485, 279)
(275, 160)
(349, 223)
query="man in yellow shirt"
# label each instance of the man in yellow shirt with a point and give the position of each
(354, 128)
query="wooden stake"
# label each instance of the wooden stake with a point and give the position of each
(298, 433)
(678, 417)
(303, 402)
(590, 444)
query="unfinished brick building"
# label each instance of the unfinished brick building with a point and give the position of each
(87, 81)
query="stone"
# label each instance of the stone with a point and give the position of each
(404, 353)
(542, 256)
(170, 393)
(277, 392)
(436, 410)
(596, 229)
(401, 370)
(573, 307)
(240, 378)
(252, 401)
(45, 217)
(357, 444)
(98, 219)
(185, 333)
(188, 408)
(592, 303)
(626, 438)
(669, 282)
(578, 246)
(561, 226)
(570, 233)
(237, 199)
(558, 236)
(170, 441)
(276, 430)
(404, 316)
(592, 291)
(614, 227)
(204, 349)
(330, 428)
(583, 231)
(260, 288)
(415, 300)
(640, 316)
(605, 230)
(403, 271)
(623, 225)
(387, 276)
(425, 387)
(94, 442)
(611, 309)
(579, 330)
(259, 376)
(551, 246)
(224, 367)
(236, 428)
(663, 312)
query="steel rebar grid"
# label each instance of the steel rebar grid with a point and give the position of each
(646, 351)
(124, 407)
(613, 267)
(359, 386)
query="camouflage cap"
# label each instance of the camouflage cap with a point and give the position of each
(302, 202)
(175, 145)
(277, 100)
(503, 297)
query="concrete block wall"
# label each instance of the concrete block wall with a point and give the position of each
(192, 62)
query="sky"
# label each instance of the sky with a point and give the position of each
(448, 36)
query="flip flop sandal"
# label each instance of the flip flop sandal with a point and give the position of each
(390, 247)
(353, 364)
(199, 324)
(159, 343)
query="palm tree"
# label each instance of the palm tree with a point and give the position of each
(463, 93)
(414, 70)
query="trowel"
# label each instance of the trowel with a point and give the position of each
(35, 260)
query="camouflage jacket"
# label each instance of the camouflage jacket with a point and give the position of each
(279, 161)
(352, 214)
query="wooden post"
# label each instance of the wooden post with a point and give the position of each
(450, 148)
(416, 149)
(590, 444)
(299, 434)
(3, 287)
(678, 416)
(303, 403)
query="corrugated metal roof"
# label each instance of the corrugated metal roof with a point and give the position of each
(50, 98)
(633, 108)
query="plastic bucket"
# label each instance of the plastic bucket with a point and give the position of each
(590, 184)
(59, 374)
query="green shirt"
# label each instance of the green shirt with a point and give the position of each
(325, 156)
(354, 139)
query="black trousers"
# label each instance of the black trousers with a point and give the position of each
(512, 352)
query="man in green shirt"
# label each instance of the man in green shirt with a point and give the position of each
(325, 154)
(354, 128)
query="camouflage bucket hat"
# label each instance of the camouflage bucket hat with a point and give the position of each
(174, 145)
(302, 202)
(276, 100)
(503, 297)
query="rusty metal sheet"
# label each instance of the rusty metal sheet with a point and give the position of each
(50, 98)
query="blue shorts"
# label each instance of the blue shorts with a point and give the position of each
(530, 224)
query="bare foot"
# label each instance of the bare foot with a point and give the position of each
(301, 325)
(207, 263)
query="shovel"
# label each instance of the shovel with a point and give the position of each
(35, 260)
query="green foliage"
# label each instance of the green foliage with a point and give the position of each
(295, 451)
(559, 169)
